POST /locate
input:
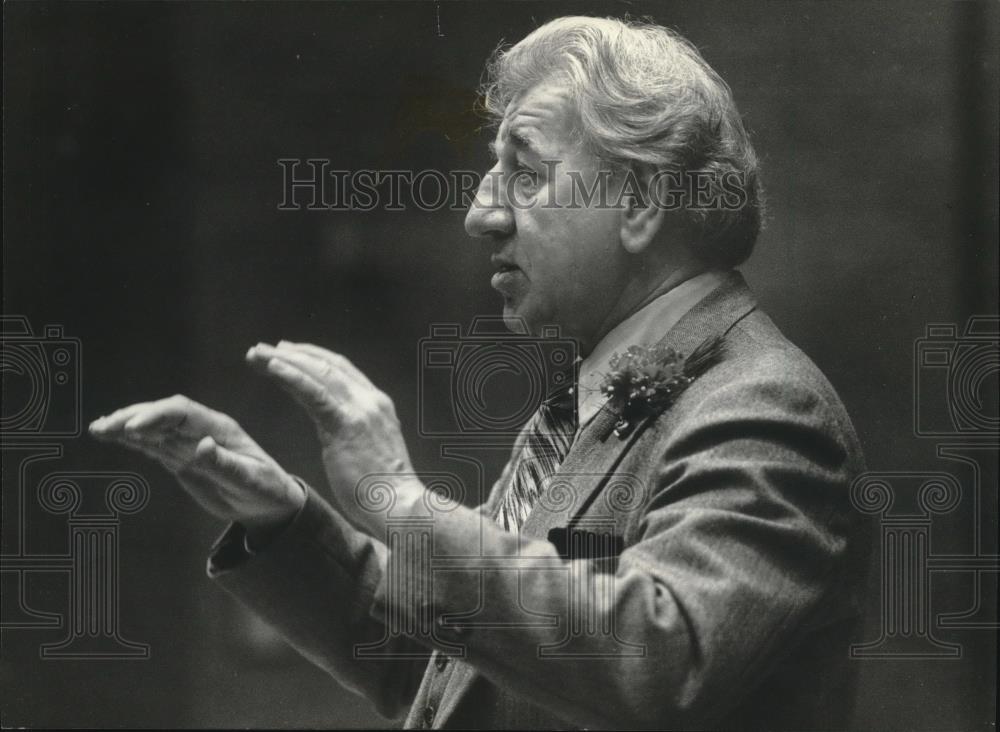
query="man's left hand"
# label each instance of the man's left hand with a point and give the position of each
(356, 423)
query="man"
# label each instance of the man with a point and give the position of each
(724, 592)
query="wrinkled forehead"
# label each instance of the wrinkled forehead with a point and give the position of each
(542, 119)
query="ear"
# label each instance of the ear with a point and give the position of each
(641, 218)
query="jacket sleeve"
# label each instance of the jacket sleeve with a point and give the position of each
(314, 583)
(737, 549)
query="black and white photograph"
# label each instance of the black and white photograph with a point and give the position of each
(500, 365)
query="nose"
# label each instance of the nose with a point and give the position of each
(489, 213)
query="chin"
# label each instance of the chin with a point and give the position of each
(515, 317)
(512, 321)
(520, 317)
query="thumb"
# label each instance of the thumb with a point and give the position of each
(205, 449)
(234, 467)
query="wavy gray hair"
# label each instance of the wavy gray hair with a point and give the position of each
(646, 101)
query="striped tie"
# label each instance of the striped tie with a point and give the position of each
(547, 441)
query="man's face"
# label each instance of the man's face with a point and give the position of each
(557, 262)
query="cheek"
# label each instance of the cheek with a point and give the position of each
(597, 254)
(567, 251)
(550, 248)
(595, 235)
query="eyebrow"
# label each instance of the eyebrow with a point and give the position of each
(518, 140)
(521, 141)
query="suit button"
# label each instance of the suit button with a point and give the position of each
(440, 662)
(428, 716)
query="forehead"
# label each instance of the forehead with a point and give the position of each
(541, 118)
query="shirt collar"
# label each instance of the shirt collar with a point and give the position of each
(644, 327)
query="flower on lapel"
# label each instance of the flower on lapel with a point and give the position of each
(645, 380)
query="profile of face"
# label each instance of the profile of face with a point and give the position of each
(558, 262)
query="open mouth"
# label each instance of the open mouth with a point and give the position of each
(506, 277)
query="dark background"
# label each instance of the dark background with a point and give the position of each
(140, 213)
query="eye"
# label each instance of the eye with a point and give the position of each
(526, 176)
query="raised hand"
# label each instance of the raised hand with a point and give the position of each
(215, 461)
(356, 423)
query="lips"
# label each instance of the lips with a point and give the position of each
(507, 278)
(502, 264)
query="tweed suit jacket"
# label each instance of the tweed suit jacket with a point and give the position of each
(718, 589)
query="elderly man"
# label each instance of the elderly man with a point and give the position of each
(726, 590)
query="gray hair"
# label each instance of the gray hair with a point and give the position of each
(646, 100)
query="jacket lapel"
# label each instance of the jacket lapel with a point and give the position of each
(597, 451)
(591, 459)
(714, 315)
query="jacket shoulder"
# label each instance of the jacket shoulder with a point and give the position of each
(762, 382)
(758, 356)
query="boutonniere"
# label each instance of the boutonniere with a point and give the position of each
(645, 380)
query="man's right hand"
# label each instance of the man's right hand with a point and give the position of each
(223, 469)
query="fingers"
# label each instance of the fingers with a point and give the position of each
(335, 360)
(318, 368)
(318, 362)
(112, 426)
(323, 370)
(214, 460)
(320, 353)
(220, 474)
(256, 492)
(169, 430)
(315, 378)
(174, 414)
(310, 394)
(168, 416)
(173, 451)
(166, 452)
(218, 461)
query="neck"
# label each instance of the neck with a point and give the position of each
(641, 290)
